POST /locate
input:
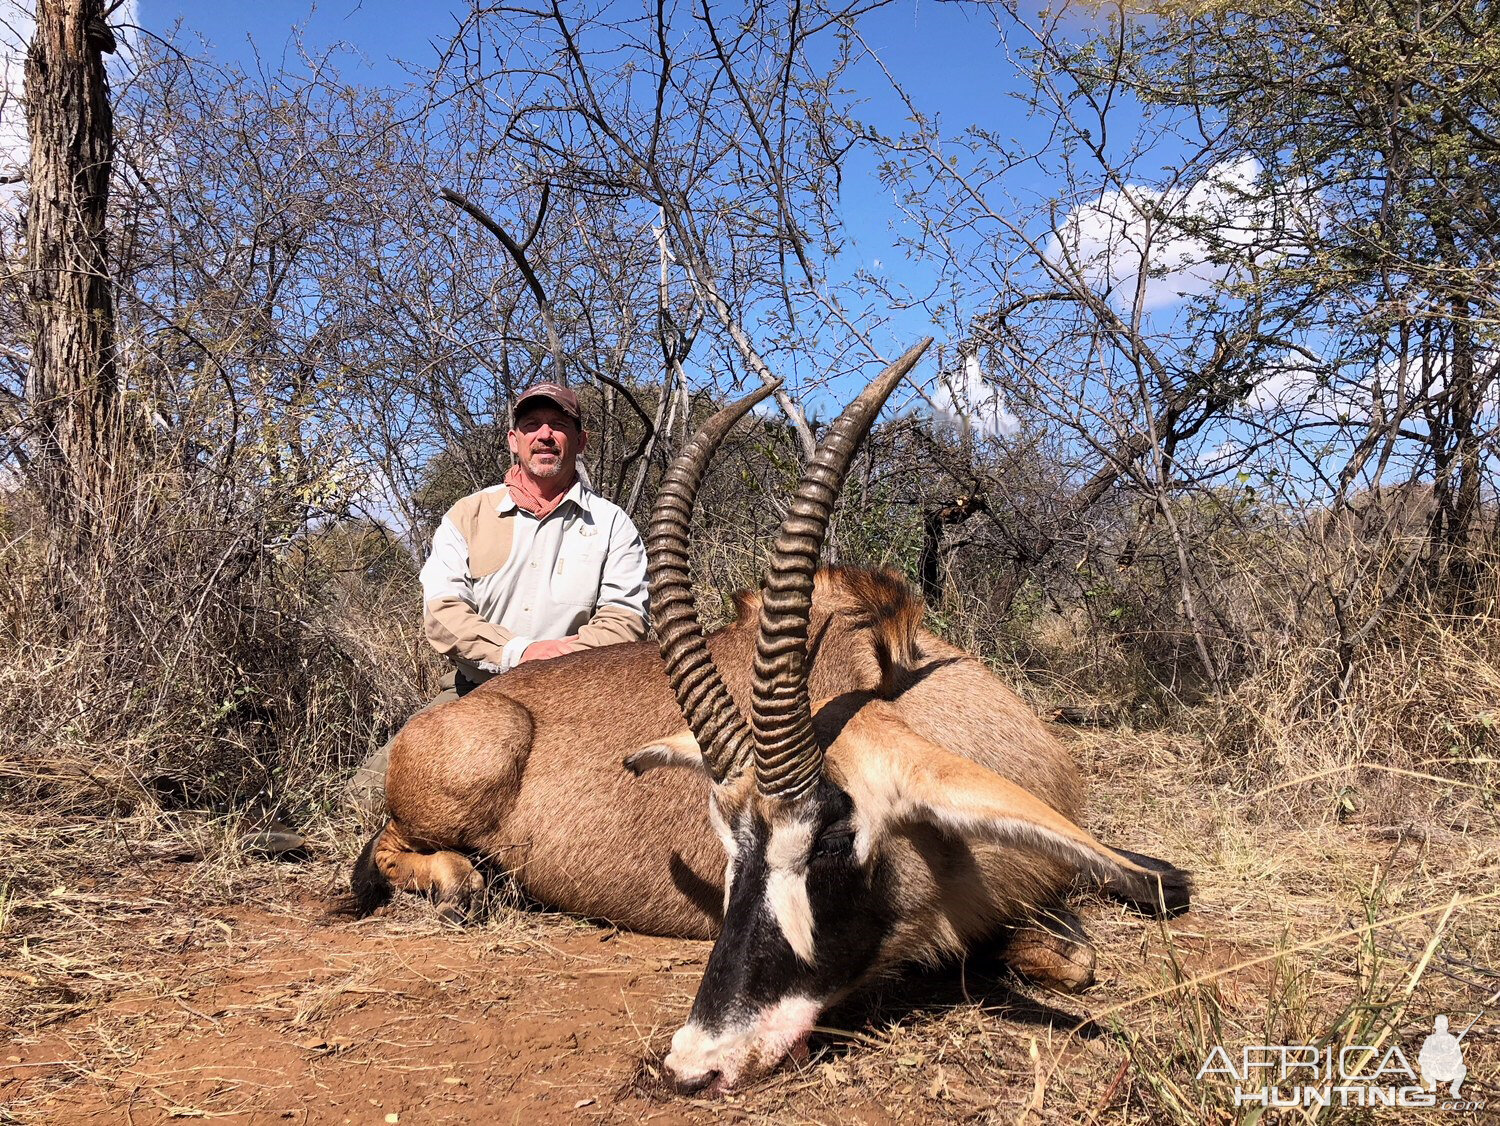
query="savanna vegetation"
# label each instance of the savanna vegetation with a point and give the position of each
(1207, 467)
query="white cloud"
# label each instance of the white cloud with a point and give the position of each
(1347, 395)
(1159, 234)
(1226, 455)
(1296, 391)
(968, 403)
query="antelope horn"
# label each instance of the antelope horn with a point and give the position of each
(788, 759)
(711, 712)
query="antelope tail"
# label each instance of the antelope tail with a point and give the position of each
(1162, 890)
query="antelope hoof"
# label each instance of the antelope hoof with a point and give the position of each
(1055, 961)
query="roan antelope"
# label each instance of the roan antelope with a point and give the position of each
(920, 809)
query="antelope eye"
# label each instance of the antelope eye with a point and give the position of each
(836, 840)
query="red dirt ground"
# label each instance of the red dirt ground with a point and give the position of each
(139, 990)
(272, 1010)
(278, 1012)
(266, 1018)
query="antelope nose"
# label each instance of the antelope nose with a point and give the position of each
(693, 1084)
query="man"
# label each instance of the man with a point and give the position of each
(538, 566)
(527, 570)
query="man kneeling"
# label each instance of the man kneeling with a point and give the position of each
(530, 569)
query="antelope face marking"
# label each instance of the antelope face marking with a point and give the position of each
(805, 920)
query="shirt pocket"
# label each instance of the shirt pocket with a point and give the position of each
(577, 577)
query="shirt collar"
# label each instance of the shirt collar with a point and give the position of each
(578, 495)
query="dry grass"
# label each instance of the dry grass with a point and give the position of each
(1311, 930)
(202, 669)
(1417, 722)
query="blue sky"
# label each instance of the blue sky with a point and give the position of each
(948, 56)
(945, 52)
(376, 30)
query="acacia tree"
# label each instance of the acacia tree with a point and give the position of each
(314, 325)
(1387, 113)
(617, 226)
(1120, 388)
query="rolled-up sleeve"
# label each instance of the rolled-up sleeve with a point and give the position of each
(620, 613)
(450, 617)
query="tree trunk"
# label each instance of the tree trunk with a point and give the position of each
(71, 388)
(934, 519)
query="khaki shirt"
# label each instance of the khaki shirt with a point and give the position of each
(499, 579)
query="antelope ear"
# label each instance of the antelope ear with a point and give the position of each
(680, 750)
(897, 777)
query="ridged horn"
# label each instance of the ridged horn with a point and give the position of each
(711, 712)
(788, 759)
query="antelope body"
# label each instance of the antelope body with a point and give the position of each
(917, 809)
(527, 769)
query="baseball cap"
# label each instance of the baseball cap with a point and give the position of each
(560, 397)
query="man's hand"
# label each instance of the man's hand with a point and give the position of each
(545, 650)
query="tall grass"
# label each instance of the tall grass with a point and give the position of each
(198, 665)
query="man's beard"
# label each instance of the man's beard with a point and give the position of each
(545, 471)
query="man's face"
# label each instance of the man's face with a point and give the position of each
(547, 442)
